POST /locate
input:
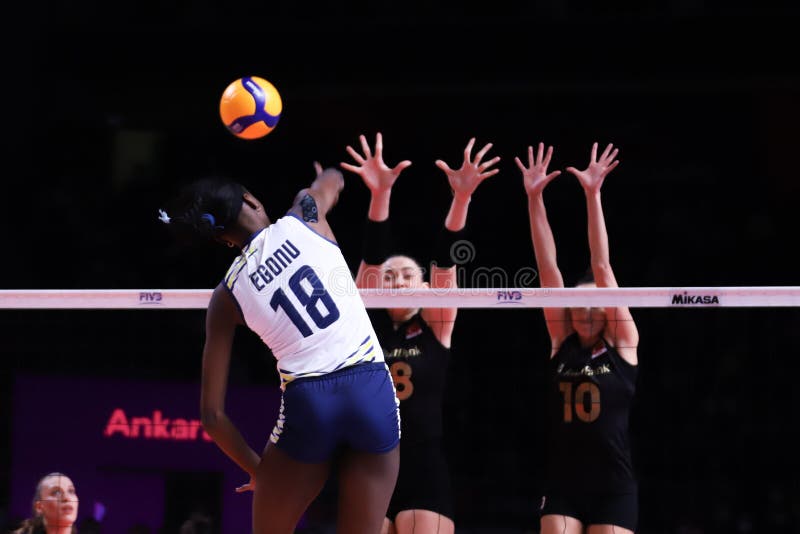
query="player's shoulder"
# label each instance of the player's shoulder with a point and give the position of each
(305, 206)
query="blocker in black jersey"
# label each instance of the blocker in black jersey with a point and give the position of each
(589, 397)
(589, 475)
(418, 363)
(416, 341)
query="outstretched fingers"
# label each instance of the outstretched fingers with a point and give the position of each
(444, 166)
(535, 175)
(608, 160)
(365, 146)
(355, 155)
(485, 165)
(468, 150)
(606, 151)
(519, 164)
(482, 152)
(531, 161)
(609, 157)
(487, 174)
(361, 159)
(540, 153)
(609, 168)
(541, 159)
(548, 156)
(350, 167)
(397, 169)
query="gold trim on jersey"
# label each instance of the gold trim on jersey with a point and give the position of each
(237, 265)
(363, 354)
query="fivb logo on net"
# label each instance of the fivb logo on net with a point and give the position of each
(150, 298)
(463, 252)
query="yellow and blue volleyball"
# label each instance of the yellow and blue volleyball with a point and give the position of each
(250, 107)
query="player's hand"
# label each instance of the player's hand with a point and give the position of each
(535, 176)
(591, 178)
(377, 176)
(250, 486)
(465, 180)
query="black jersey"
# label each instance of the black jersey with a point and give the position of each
(418, 362)
(589, 397)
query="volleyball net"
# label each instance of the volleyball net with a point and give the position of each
(715, 383)
(512, 297)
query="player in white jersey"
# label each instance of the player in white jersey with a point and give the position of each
(292, 287)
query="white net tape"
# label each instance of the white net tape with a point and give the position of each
(632, 297)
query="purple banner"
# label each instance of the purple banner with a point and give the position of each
(119, 440)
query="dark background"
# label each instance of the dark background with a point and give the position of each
(114, 106)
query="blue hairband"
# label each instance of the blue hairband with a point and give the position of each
(211, 221)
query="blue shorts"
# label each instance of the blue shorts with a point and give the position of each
(354, 407)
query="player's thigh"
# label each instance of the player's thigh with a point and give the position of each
(366, 483)
(560, 524)
(423, 522)
(388, 527)
(284, 489)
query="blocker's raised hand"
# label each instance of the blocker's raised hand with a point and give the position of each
(472, 172)
(591, 178)
(377, 176)
(535, 176)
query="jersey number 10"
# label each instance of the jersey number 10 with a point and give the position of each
(587, 410)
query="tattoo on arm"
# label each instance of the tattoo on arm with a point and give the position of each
(309, 207)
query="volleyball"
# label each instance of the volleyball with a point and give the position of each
(250, 107)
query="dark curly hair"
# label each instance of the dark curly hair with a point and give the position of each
(204, 209)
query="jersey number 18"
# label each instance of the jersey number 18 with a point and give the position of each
(309, 300)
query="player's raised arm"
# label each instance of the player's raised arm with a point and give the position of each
(463, 182)
(379, 179)
(621, 329)
(535, 179)
(313, 203)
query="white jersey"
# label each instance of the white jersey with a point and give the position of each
(295, 291)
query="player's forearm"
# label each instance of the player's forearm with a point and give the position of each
(544, 245)
(229, 439)
(379, 205)
(327, 186)
(598, 236)
(456, 218)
